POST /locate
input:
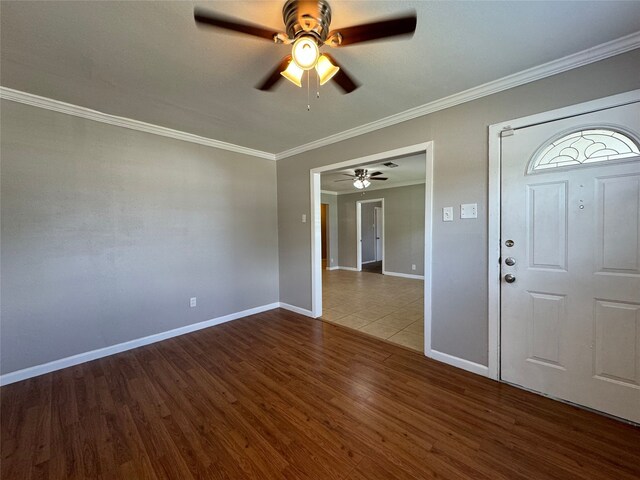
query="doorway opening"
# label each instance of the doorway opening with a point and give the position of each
(405, 280)
(324, 234)
(370, 235)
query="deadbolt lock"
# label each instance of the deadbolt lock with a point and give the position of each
(509, 243)
(509, 278)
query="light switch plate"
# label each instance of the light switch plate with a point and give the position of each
(469, 210)
(304, 218)
(447, 214)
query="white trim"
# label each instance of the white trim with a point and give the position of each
(333, 268)
(579, 59)
(494, 202)
(328, 192)
(428, 246)
(359, 203)
(316, 245)
(403, 275)
(459, 363)
(293, 308)
(61, 363)
(83, 112)
(350, 269)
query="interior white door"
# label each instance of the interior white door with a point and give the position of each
(570, 312)
(378, 232)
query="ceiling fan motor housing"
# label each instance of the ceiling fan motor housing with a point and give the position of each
(307, 17)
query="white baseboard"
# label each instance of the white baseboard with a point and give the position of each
(404, 275)
(333, 268)
(293, 308)
(370, 261)
(36, 370)
(459, 363)
(351, 269)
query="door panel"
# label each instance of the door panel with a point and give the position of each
(619, 224)
(570, 320)
(546, 323)
(616, 352)
(547, 225)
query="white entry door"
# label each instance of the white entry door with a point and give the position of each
(378, 232)
(570, 255)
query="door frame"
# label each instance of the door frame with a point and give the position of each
(379, 214)
(316, 253)
(359, 231)
(496, 132)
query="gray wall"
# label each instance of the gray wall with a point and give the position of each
(107, 233)
(403, 229)
(460, 136)
(332, 225)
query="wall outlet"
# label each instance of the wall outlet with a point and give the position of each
(304, 218)
(332, 261)
(192, 302)
(413, 267)
(447, 214)
(469, 210)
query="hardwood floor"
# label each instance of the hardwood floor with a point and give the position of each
(281, 396)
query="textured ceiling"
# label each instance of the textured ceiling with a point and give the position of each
(148, 61)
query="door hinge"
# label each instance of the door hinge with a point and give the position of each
(507, 132)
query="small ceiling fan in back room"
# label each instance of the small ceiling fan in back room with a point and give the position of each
(362, 178)
(307, 30)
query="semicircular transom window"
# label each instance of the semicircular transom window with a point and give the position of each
(585, 147)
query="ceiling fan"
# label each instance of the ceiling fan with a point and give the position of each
(362, 178)
(307, 25)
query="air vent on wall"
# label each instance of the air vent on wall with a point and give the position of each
(390, 165)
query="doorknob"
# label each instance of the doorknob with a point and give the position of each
(510, 261)
(509, 278)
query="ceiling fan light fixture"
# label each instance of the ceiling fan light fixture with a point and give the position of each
(326, 70)
(361, 183)
(305, 52)
(293, 73)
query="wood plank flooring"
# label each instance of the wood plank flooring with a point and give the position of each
(280, 396)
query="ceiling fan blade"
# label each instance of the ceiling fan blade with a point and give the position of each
(375, 174)
(342, 78)
(274, 77)
(345, 180)
(378, 178)
(207, 18)
(368, 32)
(348, 175)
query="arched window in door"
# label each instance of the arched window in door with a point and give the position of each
(584, 147)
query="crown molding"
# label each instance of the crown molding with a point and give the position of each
(575, 60)
(579, 59)
(83, 112)
(328, 192)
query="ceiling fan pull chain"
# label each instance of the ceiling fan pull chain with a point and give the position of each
(308, 91)
(317, 85)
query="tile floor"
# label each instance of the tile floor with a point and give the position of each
(379, 305)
